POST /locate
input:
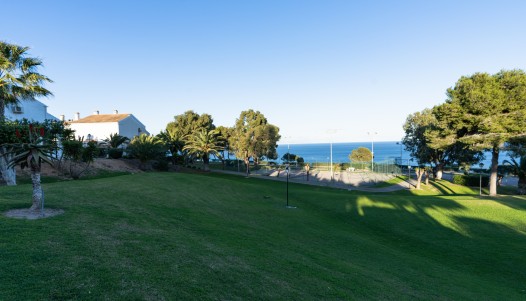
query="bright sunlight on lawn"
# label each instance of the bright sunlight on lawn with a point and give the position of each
(167, 236)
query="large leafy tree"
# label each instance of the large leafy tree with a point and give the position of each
(224, 134)
(202, 144)
(19, 80)
(517, 152)
(361, 155)
(253, 138)
(429, 143)
(484, 111)
(183, 126)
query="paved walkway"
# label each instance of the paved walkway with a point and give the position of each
(342, 180)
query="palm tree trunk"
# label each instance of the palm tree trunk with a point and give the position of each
(206, 161)
(37, 187)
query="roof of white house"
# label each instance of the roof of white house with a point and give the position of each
(101, 118)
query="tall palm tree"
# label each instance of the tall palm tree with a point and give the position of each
(202, 144)
(19, 78)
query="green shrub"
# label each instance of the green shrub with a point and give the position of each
(470, 180)
(102, 152)
(115, 153)
(161, 165)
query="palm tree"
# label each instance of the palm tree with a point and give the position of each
(19, 78)
(146, 148)
(173, 141)
(202, 144)
(116, 140)
(31, 154)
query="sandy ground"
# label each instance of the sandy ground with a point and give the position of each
(32, 214)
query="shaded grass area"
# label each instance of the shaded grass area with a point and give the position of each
(392, 181)
(166, 236)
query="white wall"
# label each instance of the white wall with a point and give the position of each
(129, 127)
(99, 130)
(32, 110)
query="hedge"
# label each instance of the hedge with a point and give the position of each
(470, 180)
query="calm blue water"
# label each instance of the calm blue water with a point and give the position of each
(383, 151)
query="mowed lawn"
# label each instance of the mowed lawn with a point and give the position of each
(177, 236)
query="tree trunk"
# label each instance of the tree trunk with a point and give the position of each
(521, 173)
(2, 110)
(247, 164)
(8, 174)
(521, 185)
(493, 174)
(440, 169)
(427, 176)
(419, 174)
(37, 188)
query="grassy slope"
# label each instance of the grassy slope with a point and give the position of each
(168, 236)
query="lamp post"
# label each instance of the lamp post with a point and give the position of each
(480, 175)
(372, 148)
(331, 132)
(288, 171)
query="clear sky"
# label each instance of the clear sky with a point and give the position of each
(321, 71)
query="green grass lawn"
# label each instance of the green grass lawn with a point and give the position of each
(177, 236)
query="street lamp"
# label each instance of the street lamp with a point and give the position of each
(288, 172)
(331, 132)
(480, 174)
(372, 148)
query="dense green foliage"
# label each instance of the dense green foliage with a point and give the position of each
(423, 139)
(254, 138)
(202, 144)
(116, 140)
(160, 236)
(470, 180)
(484, 111)
(361, 154)
(19, 77)
(289, 158)
(146, 148)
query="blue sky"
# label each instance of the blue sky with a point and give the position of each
(321, 71)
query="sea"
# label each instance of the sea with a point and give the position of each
(383, 151)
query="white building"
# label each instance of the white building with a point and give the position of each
(32, 110)
(99, 126)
